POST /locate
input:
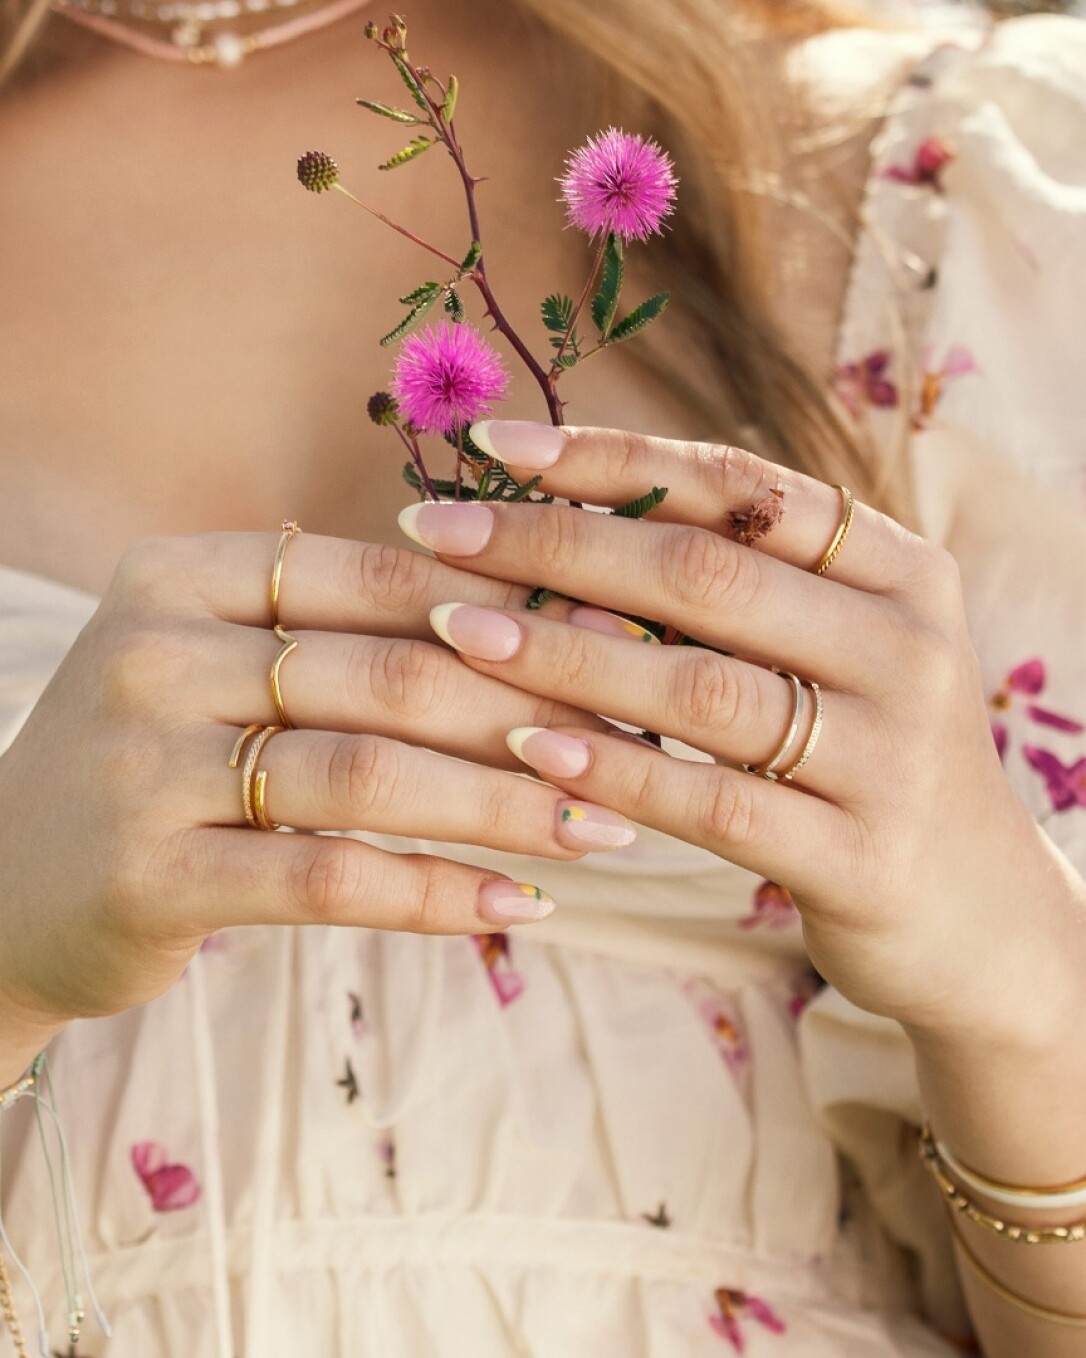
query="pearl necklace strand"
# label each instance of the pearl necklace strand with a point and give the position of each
(194, 33)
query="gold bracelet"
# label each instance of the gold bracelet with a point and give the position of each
(1031, 1308)
(1009, 1230)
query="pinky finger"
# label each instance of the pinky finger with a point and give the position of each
(776, 831)
(239, 876)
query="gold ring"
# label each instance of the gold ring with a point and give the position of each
(816, 731)
(289, 644)
(290, 531)
(254, 782)
(769, 770)
(849, 508)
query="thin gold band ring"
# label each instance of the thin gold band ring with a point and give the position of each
(289, 644)
(769, 770)
(848, 503)
(290, 532)
(254, 782)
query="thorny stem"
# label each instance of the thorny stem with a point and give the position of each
(415, 453)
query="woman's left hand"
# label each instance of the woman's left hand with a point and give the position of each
(927, 892)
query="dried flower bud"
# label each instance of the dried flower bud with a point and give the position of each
(382, 407)
(317, 171)
(748, 526)
(371, 30)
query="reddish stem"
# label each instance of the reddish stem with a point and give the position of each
(592, 276)
(415, 453)
(396, 227)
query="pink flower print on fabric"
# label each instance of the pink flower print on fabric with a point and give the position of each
(386, 1151)
(932, 157)
(1027, 681)
(722, 1020)
(773, 908)
(804, 988)
(507, 982)
(733, 1308)
(1066, 783)
(170, 1187)
(865, 383)
(958, 362)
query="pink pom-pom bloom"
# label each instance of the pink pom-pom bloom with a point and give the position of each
(447, 375)
(619, 182)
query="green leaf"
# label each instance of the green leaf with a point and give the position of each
(639, 318)
(454, 305)
(452, 90)
(566, 360)
(398, 115)
(522, 492)
(413, 149)
(446, 489)
(473, 256)
(423, 290)
(539, 597)
(637, 509)
(557, 310)
(410, 320)
(605, 302)
(412, 84)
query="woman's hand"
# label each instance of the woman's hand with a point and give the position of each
(122, 837)
(926, 890)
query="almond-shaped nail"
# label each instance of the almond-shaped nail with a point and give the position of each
(455, 529)
(513, 903)
(521, 442)
(483, 633)
(582, 825)
(549, 752)
(611, 624)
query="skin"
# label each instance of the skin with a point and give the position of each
(192, 338)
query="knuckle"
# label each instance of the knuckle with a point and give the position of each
(140, 664)
(410, 679)
(705, 691)
(937, 665)
(390, 579)
(326, 881)
(707, 573)
(147, 572)
(428, 908)
(726, 815)
(363, 774)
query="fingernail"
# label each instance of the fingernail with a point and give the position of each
(460, 529)
(521, 442)
(581, 825)
(549, 752)
(513, 902)
(483, 633)
(612, 624)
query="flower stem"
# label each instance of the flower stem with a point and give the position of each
(556, 371)
(396, 227)
(415, 453)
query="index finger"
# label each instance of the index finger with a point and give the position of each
(710, 485)
(327, 584)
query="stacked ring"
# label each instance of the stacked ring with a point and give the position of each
(769, 770)
(848, 504)
(289, 644)
(254, 781)
(775, 770)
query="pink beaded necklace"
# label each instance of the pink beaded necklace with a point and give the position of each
(203, 32)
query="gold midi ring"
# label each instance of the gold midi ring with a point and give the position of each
(254, 781)
(848, 510)
(290, 531)
(816, 731)
(289, 644)
(770, 770)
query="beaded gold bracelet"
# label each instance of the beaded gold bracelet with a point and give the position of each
(1009, 1230)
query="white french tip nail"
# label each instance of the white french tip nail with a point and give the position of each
(439, 621)
(479, 433)
(515, 740)
(407, 519)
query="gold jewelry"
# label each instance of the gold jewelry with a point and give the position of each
(235, 757)
(1021, 1303)
(1058, 1198)
(290, 531)
(254, 784)
(849, 509)
(22, 1085)
(816, 731)
(289, 644)
(7, 1309)
(769, 770)
(1009, 1230)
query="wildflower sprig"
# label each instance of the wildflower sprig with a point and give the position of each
(617, 188)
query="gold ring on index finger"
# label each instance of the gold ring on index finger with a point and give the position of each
(290, 531)
(848, 510)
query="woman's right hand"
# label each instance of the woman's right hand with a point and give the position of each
(123, 843)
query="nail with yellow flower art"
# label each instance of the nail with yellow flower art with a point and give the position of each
(582, 825)
(504, 902)
(611, 625)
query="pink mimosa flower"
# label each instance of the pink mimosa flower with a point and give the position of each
(170, 1187)
(619, 182)
(1066, 782)
(447, 375)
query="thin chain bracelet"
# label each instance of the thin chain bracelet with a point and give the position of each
(1023, 1235)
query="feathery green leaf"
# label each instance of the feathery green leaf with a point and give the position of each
(473, 256)
(645, 504)
(413, 149)
(639, 318)
(398, 115)
(454, 305)
(412, 84)
(557, 311)
(605, 302)
(423, 290)
(413, 317)
(452, 90)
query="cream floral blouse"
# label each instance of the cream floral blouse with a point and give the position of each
(641, 1128)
